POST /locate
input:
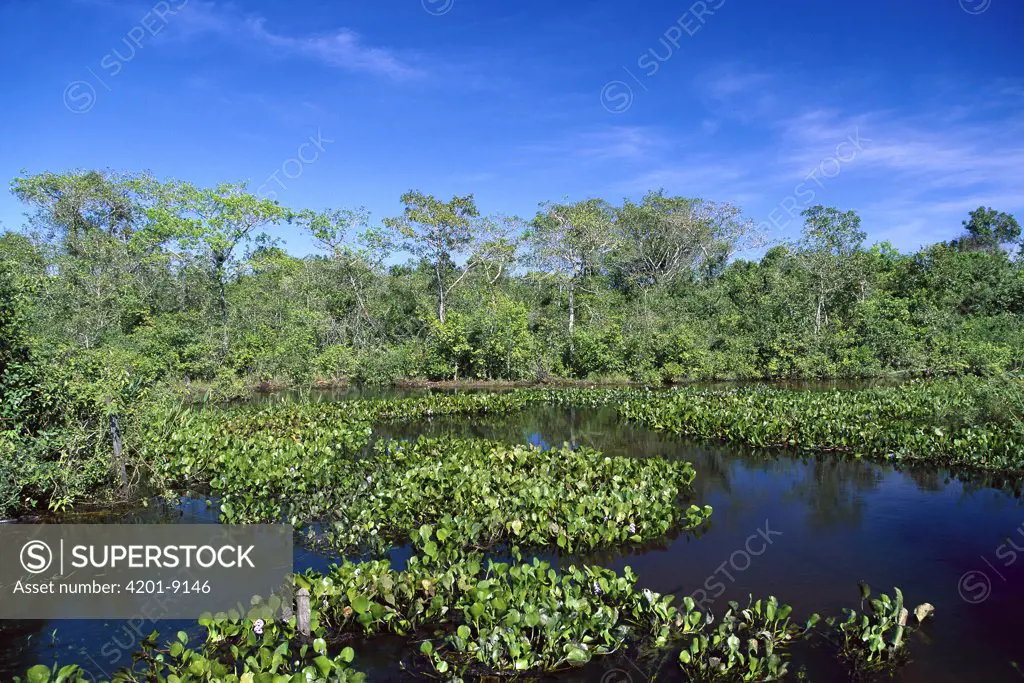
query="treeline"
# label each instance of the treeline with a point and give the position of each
(167, 280)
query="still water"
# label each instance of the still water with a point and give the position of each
(805, 529)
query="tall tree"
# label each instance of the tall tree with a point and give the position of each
(105, 257)
(988, 230)
(440, 233)
(662, 238)
(569, 242)
(665, 237)
(69, 205)
(354, 247)
(216, 220)
(831, 239)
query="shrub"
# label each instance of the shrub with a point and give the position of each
(386, 365)
(336, 362)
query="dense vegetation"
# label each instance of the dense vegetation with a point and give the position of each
(170, 281)
(473, 617)
(967, 425)
(465, 613)
(125, 299)
(123, 291)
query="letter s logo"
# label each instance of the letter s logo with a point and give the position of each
(36, 557)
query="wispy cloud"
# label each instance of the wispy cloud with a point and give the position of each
(341, 47)
(603, 143)
(620, 142)
(921, 168)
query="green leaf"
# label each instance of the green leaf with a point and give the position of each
(577, 656)
(39, 673)
(361, 604)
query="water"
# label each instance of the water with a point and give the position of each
(805, 529)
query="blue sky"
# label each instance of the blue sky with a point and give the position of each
(910, 112)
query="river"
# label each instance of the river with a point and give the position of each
(803, 528)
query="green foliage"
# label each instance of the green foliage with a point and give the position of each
(501, 617)
(180, 275)
(336, 362)
(386, 366)
(598, 353)
(50, 416)
(129, 287)
(877, 640)
(521, 618)
(988, 229)
(20, 386)
(295, 463)
(438, 232)
(955, 423)
(250, 650)
(502, 347)
(747, 644)
(449, 351)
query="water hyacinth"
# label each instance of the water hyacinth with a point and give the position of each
(956, 423)
(522, 495)
(454, 499)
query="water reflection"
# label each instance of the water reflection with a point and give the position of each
(833, 522)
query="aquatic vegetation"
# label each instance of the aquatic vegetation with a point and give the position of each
(461, 503)
(876, 640)
(747, 644)
(310, 465)
(492, 617)
(954, 423)
(522, 495)
(518, 495)
(186, 446)
(477, 617)
(529, 617)
(235, 651)
(488, 617)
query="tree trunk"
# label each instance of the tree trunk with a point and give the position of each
(440, 294)
(222, 299)
(572, 308)
(115, 436)
(115, 439)
(223, 304)
(818, 314)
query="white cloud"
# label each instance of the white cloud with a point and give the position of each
(604, 143)
(341, 47)
(920, 170)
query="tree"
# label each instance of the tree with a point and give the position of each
(496, 247)
(217, 220)
(354, 247)
(438, 232)
(569, 241)
(665, 237)
(662, 238)
(831, 239)
(105, 257)
(77, 202)
(988, 230)
(19, 376)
